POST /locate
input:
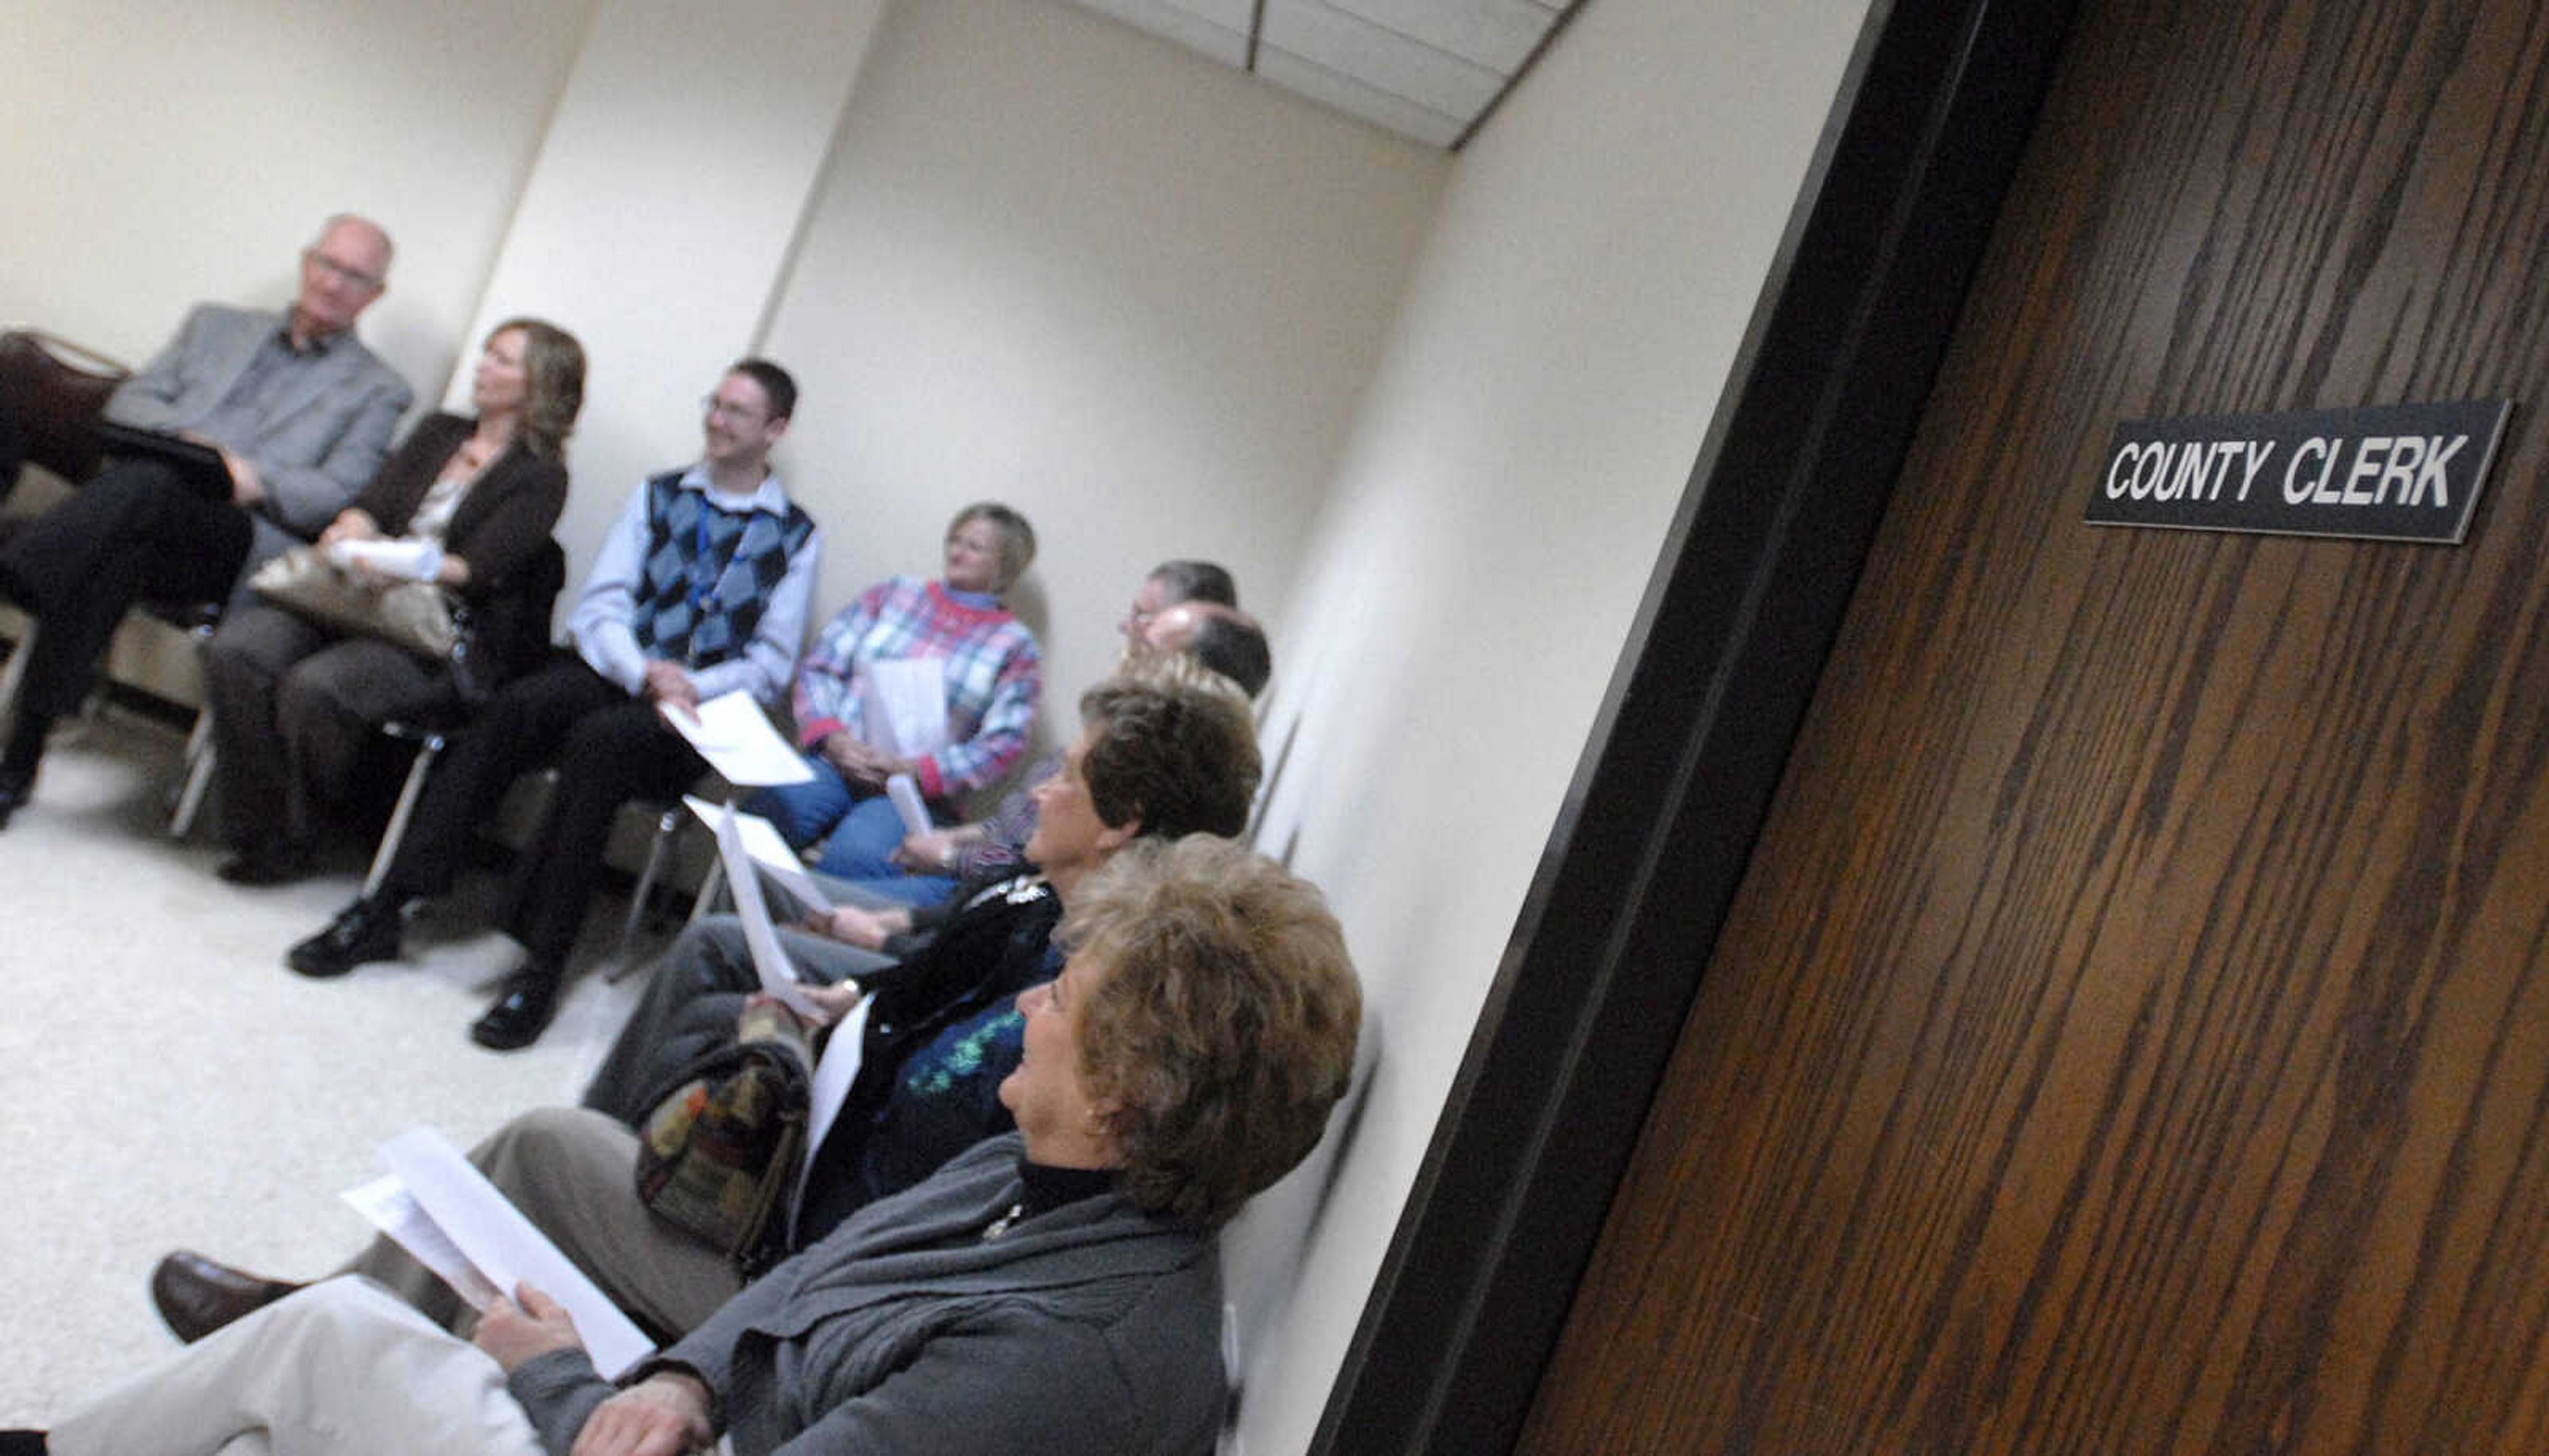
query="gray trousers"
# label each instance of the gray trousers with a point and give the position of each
(573, 1174)
(691, 1003)
(572, 1171)
(293, 705)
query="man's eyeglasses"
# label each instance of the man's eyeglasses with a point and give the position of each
(728, 410)
(356, 277)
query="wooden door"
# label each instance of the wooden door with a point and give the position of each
(2133, 1032)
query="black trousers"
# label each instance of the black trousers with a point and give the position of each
(134, 531)
(609, 748)
(13, 450)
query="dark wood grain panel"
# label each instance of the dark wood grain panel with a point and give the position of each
(2134, 1030)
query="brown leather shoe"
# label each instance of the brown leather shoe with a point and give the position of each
(197, 1295)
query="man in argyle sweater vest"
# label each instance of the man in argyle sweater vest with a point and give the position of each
(701, 589)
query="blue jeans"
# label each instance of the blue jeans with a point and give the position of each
(858, 830)
(908, 889)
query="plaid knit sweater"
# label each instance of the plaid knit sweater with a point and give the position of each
(993, 673)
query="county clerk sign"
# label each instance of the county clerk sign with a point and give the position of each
(2394, 472)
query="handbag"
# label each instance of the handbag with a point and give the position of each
(416, 615)
(55, 401)
(720, 1149)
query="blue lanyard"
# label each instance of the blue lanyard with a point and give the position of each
(705, 575)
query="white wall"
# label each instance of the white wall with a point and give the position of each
(1496, 518)
(1064, 265)
(155, 155)
(657, 224)
(1019, 252)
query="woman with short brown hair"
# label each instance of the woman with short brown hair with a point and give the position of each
(1224, 1027)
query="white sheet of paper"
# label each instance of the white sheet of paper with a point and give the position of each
(734, 735)
(904, 792)
(494, 1236)
(761, 840)
(778, 974)
(404, 557)
(834, 1072)
(906, 706)
(387, 1205)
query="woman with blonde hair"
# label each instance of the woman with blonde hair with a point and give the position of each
(989, 672)
(466, 503)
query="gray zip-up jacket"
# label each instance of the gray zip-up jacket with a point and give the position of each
(1093, 1328)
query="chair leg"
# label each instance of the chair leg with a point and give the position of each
(712, 885)
(15, 676)
(199, 751)
(408, 793)
(667, 824)
(198, 775)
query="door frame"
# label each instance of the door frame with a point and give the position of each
(1677, 775)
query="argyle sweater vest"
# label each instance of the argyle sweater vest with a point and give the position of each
(709, 572)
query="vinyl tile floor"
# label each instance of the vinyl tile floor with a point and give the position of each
(165, 1083)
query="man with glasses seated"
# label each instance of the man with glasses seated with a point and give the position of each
(701, 589)
(1173, 582)
(300, 414)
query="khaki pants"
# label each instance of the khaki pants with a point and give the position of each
(338, 1369)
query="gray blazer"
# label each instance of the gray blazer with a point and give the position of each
(321, 435)
(1092, 1329)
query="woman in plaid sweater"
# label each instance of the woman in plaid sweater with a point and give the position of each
(988, 668)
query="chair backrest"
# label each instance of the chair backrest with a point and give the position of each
(547, 570)
(55, 400)
(517, 624)
(542, 581)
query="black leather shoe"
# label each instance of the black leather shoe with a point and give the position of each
(197, 1295)
(15, 790)
(260, 865)
(366, 930)
(520, 1013)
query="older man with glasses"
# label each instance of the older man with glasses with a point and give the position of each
(300, 413)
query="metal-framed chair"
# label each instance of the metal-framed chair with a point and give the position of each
(196, 621)
(55, 390)
(667, 825)
(430, 738)
(429, 741)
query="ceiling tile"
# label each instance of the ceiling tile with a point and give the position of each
(1426, 68)
(1496, 33)
(1230, 15)
(1201, 26)
(1344, 93)
(1382, 60)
